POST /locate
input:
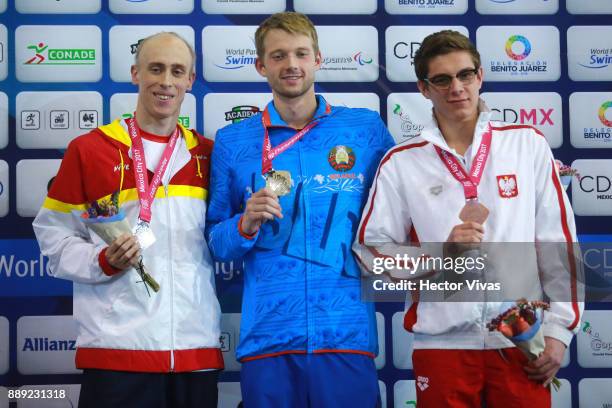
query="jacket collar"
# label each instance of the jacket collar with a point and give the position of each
(117, 130)
(271, 117)
(431, 132)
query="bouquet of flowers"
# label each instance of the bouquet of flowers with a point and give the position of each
(521, 323)
(566, 173)
(106, 219)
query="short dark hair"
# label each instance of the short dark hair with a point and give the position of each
(442, 43)
(290, 22)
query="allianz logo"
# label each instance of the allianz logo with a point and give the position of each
(47, 344)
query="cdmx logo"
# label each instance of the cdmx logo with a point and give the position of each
(602, 113)
(43, 55)
(526, 45)
(361, 60)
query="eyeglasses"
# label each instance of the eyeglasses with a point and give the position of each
(444, 81)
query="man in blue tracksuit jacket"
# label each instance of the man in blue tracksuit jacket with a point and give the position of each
(307, 339)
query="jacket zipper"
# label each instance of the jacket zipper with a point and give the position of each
(171, 279)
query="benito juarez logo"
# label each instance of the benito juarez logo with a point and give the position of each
(341, 158)
(43, 55)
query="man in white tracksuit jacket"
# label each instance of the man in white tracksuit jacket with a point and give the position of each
(417, 196)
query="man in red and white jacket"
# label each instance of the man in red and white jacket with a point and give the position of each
(138, 350)
(467, 180)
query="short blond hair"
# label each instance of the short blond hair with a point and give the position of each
(290, 22)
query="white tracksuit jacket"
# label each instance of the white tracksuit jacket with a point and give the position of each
(415, 196)
(119, 326)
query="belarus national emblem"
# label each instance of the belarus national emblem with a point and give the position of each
(341, 158)
(507, 185)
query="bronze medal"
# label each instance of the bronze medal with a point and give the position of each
(279, 182)
(474, 211)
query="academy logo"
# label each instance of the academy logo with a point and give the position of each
(341, 158)
(43, 55)
(239, 113)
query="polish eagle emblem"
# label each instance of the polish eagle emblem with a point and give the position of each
(507, 185)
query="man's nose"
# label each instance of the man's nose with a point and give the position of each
(166, 78)
(456, 85)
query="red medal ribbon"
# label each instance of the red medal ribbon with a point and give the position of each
(146, 191)
(469, 181)
(269, 152)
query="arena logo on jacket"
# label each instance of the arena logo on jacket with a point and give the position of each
(508, 187)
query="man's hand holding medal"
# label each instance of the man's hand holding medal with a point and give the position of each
(469, 234)
(124, 250)
(260, 207)
(264, 205)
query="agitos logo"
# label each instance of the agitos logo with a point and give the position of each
(43, 55)
(361, 60)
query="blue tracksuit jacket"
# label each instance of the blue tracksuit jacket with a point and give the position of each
(302, 287)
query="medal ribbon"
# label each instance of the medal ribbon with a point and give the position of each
(469, 181)
(146, 191)
(269, 152)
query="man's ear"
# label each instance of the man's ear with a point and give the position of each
(480, 77)
(134, 72)
(260, 67)
(318, 60)
(191, 80)
(423, 88)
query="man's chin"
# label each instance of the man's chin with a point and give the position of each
(291, 93)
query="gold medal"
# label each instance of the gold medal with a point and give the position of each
(279, 182)
(474, 211)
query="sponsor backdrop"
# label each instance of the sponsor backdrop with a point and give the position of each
(64, 69)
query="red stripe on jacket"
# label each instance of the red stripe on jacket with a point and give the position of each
(383, 161)
(570, 249)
